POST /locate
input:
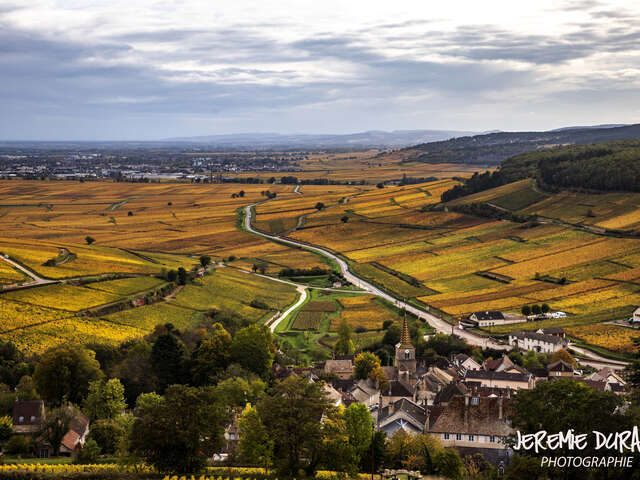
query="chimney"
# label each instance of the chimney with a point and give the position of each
(500, 407)
(466, 408)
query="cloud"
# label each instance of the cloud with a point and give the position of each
(275, 74)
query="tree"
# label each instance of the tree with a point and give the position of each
(565, 356)
(359, 427)
(108, 434)
(182, 276)
(172, 275)
(526, 310)
(255, 445)
(319, 206)
(291, 413)
(168, 356)
(136, 372)
(344, 219)
(6, 429)
(26, 389)
(130, 213)
(89, 239)
(365, 363)
(253, 349)
(211, 356)
(380, 185)
(545, 308)
(89, 452)
(566, 404)
(530, 360)
(179, 433)
(205, 261)
(105, 399)
(536, 310)
(344, 345)
(238, 392)
(65, 372)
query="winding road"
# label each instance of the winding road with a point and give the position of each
(437, 323)
(37, 280)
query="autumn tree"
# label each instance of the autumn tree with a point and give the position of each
(344, 345)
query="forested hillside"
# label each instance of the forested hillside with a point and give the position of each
(493, 148)
(613, 166)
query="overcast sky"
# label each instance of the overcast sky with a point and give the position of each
(134, 69)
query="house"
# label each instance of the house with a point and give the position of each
(464, 362)
(77, 434)
(490, 318)
(474, 424)
(537, 342)
(636, 315)
(514, 381)
(607, 375)
(339, 368)
(402, 414)
(360, 391)
(553, 331)
(28, 416)
(560, 368)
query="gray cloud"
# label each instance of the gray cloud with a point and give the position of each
(238, 77)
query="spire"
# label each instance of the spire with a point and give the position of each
(405, 338)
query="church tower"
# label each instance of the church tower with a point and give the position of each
(405, 351)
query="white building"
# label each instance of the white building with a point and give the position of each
(537, 342)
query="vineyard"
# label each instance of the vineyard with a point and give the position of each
(612, 337)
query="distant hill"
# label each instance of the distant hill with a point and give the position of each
(370, 139)
(493, 148)
(601, 167)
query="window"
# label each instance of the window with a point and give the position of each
(471, 438)
(475, 400)
(446, 436)
(406, 354)
(33, 418)
(492, 439)
(458, 436)
(20, 419)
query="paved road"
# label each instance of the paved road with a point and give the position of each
(303, 296)
(597, 361)
(37, 280)
(437, 323)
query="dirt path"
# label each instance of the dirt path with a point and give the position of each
(303, 296)
(37, 280)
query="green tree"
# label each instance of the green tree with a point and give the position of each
(448, 463)
(319, 206)
(291, 413)
(531, 360)
(566, 404)
(180, 432)
(344, 345)
(545, 308)
(89, 239)
(255, 444)
(212, 356)
(205, 261)
(89, 453)
(26, 389)
(252, 348)
(536, 310)
(182, 276)
(108, 434)
(344, 219)
(168, 356)
(359, 427)
(65, 372)
(237, 391)
(364, 364)
(135, 371)
(105, 400)
(526, 310)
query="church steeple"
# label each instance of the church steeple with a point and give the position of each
(405, 351)
(405, 338)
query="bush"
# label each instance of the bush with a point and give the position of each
(19, 445)
(107, 434)
(88, 453)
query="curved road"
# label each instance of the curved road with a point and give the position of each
(37, 280)
(437, 323)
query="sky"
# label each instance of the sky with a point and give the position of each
(143, 70)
